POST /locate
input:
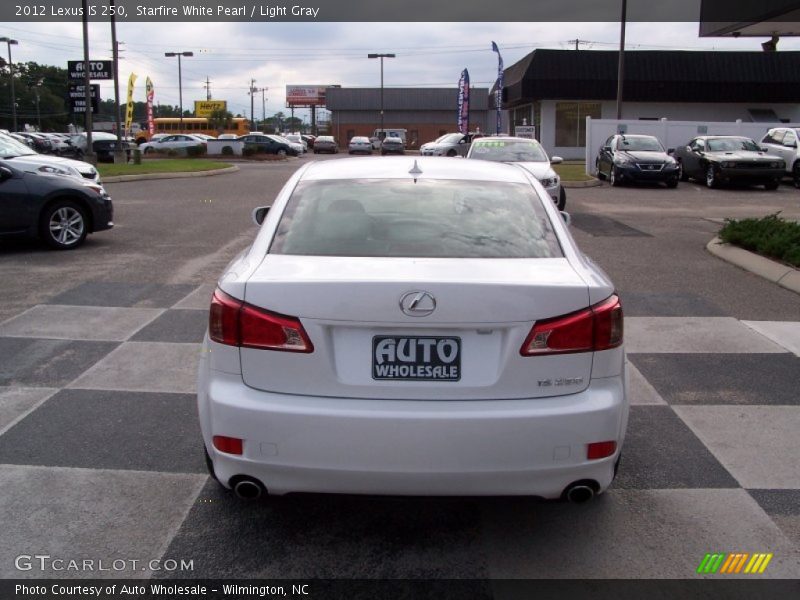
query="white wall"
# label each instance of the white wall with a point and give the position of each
(670, 133)
(633, 111)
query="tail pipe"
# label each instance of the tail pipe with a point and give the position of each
(580, 491)
(248, 488)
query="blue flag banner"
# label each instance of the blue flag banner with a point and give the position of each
(463, 102)
(498, 94)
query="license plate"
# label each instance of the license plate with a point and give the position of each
(416, 358)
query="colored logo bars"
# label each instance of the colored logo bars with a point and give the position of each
(735, 562)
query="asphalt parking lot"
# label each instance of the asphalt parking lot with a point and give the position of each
(100, 450)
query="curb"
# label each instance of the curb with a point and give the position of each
(785, 276)
(145, 176)
(582, 184)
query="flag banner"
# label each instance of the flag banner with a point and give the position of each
(463, 102)
(151, 126)
(498, 94)
(129, 110)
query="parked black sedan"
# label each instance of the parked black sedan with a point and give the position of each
(59, 209)
(268, 144)
(629, 158)
(720, 159)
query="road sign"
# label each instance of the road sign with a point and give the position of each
(525, 131)
(77, 98)
(98, 69)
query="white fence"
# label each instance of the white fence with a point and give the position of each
(671, 134)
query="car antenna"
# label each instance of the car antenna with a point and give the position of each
(415, 171)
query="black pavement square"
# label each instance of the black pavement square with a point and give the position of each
(47, 363)
(778, 502)
(140, 295)
(661, 452)
(177, 326)
(666, 304)
(109, 430)
(749, 379)
(600, 226)
(319, 536)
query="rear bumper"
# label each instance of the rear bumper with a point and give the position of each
(504, 447)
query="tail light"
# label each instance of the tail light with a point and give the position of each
(229, 445)
(236, 323)
(597, 450)
(592, 329)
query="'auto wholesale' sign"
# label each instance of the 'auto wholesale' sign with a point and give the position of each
(98, 69)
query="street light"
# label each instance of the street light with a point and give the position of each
(10, 43)
(180, 79)
(381, 56)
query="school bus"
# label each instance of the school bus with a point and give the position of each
(238, 126)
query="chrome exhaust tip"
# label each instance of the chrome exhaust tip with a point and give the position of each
(248, 489)
(579, 493)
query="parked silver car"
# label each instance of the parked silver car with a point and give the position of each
(25, 158)
(450, 144)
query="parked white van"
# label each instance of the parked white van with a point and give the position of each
(377, 136)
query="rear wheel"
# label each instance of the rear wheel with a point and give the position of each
(64, 225)
(711, 177)
(451, 153)
(282, 153)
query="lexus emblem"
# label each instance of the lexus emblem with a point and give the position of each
(417, 303)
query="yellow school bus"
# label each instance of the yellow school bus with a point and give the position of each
(238, 126)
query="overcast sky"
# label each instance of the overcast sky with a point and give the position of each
(280, 54)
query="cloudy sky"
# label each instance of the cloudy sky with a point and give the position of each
(277, 54)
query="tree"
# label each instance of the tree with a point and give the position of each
(220, 119)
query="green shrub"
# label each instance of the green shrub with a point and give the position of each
(195, 151)
(771, 236)
(227, 151)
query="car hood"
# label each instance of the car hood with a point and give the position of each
(38, 160)
(540, 170)
(742, 155)
(645, 156)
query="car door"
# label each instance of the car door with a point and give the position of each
(17, 211)
(605, 156)
(788, 149)
(690, 157)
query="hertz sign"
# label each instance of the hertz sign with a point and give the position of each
(204, 108)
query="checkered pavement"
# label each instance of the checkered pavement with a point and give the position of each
(100, 457)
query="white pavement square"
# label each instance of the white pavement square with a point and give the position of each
(694, 335)
(18, 401)
(95, 323)
(91, 514)
(145, 367)
(758, 445)
(199, 299)
(639, 389)
(785, 333)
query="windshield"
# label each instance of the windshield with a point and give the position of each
(508, 151)
(450, 138)
(10, 147)
(426, 218)
(639, 144)
(731, 145)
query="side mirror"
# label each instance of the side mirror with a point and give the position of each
(259, 214)
(556, 160)
(606, 148)
(567, 218)
(765, 149)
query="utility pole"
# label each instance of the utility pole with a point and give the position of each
(263, 106)
(120, 156)
(208, 88)
(621, 65)
(252, 91)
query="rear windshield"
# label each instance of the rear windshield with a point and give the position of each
(508, 151)
(429, 218)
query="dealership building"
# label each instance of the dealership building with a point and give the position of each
(555, 90)
(426, 113)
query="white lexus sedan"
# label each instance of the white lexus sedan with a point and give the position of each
(413, 326)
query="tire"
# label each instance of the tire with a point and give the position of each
(771, 185)
(672, 183)
(613, 178)
(562, 198)
(451, 153)
(796, 174)
(681, 173)
(64, 225)
(281, 153)
(711, 177)
(148, 151)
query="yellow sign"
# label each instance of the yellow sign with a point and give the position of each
(129, 108)
(204, 108)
